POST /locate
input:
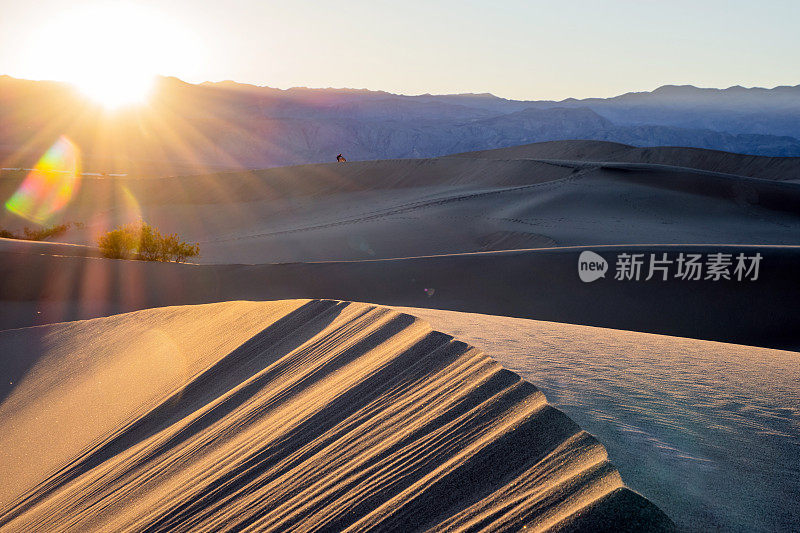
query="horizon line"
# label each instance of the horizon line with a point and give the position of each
(484, 94)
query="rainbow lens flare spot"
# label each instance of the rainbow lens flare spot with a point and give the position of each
(49, 187)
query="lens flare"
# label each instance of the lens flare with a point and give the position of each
(48, 188)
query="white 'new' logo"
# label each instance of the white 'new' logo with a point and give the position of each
(591, 266)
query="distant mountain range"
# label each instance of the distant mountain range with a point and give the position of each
(191, 128)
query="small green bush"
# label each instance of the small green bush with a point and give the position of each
(39, 234)
(44, 233)
(143, 241)
(151, 247)
(120, 243)
(182, 251)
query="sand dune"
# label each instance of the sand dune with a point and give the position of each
(695, 425)
(450, 205)
(541, 284)
(306, 415)
(17, 246)
(497, 233)
(774, 168)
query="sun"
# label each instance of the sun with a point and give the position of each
(124, 90)
(111, 51)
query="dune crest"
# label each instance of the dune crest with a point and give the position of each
(291, 415)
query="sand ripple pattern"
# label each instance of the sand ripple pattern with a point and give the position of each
(332, 417)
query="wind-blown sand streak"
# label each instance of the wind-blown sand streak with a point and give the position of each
(302, 415)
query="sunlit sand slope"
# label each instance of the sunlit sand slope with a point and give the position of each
(292, 415)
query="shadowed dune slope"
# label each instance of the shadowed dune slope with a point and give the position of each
(292, 415)
(542, 284)
(754, 166)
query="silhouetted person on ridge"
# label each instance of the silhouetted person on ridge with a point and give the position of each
(340, 158)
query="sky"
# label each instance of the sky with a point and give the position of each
(515, 49)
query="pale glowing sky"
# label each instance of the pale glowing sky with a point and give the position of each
(515, 49)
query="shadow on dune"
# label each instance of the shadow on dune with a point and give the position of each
(770, 168)
(541, 284)
(769, 194)
(342, 416)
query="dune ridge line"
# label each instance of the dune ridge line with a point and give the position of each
(299, 415)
